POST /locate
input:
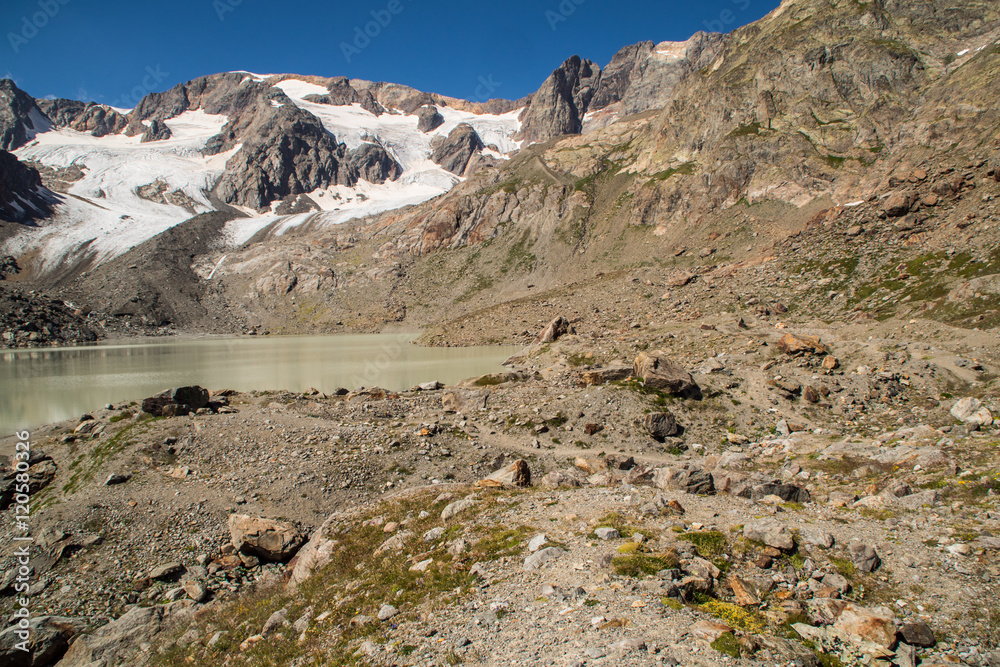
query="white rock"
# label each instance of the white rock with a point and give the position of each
(536, 542)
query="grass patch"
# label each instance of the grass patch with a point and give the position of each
(727, 644)
(638, 565)
(735, 617)
(357, 581)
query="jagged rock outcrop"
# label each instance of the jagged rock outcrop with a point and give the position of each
(651, 74)
(373, 163)
(96, 119)
(285, 151)
(616, 77)
(156, 130)
(558, 107)
(429, 118)
(457, 149)
(343, 94)
(20, 117)
(22, 196)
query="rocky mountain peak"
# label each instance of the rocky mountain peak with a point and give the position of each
(20, 117)
(22, 196)
(558, 107)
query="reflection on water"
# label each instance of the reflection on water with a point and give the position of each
(48, 385)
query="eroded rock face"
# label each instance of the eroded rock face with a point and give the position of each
(95, 119)
(343, 94)
(455, 152)
(373, 163)
(20, 116)
(48, 640)
(22, 196)
(558, 107)
(644, 76)
(109, 644)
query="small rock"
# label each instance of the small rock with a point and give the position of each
(115, 478)
(917, 634)
(539, 558)
(386, 612)
(606, 533)
(536, 542)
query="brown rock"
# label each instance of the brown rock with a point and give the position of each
(557, 328)
(810, 395)
(709, 631)
(656, 370)
(830, 362)
(266, 539)
(876, 625)
(745, 597)
(591, 429)
(604, 375)
(897, 205)
(680, 279)
(795, 344)
(517, 474)
(930, 199)
(590, 466)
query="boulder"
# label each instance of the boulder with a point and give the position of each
(657, 371)
(794, 345)
(47, 641)
(877, 625)
(770, 533)
(266, 539)
(186, 399)
(917, 634)
(816, 537)
(540, 557)
(557, 478)
(689, 480)
(897, 205)
(517, 474)
(864, 557)
(604, 375)
(457, 507)
(787, 492)
(661, 425)
(971, 410)
(557, 328)
(110, 644)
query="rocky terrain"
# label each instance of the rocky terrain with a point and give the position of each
(759, 491)
(756, 280)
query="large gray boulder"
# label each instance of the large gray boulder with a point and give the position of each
(111, 644)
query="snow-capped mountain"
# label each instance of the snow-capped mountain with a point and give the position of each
(275, 151)
(266, 146)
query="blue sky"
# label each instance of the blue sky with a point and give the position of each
(114, 51)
